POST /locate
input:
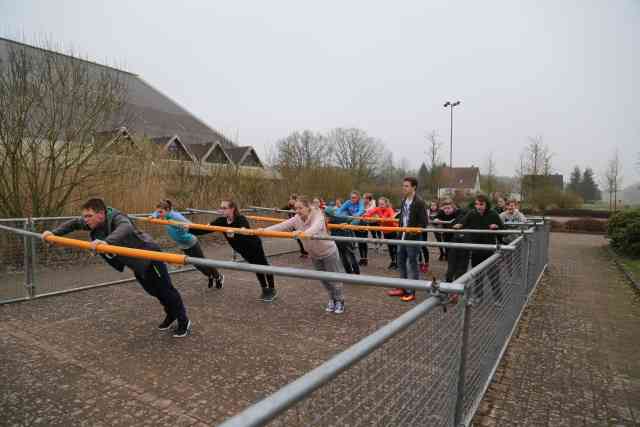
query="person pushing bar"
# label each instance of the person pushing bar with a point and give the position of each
(110, 226)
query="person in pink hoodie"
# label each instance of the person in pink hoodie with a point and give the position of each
(323, 253)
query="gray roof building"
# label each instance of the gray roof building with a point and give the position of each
(152, 114)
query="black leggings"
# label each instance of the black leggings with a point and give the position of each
(425, 249)
(255, 255)
(393, 249)
(156, 281)
(439, 238)
(302, 249)
(348, 257)
(196, 252)
(362, 246)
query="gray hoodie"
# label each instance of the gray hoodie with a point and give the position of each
(117, 230)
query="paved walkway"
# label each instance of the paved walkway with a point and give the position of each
(575, 360)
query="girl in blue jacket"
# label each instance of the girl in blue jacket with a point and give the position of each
(186, 241)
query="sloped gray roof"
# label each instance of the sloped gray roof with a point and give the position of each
(199, 150)
(237, 153)
(149, 112)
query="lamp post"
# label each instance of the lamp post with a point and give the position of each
(451, 105)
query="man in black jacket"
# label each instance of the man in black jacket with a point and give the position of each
(413, 213)
(108, 225)
(482, 217)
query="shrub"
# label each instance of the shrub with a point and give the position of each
(624, 232)
(557, 226)
(578, 213)
(586, 224)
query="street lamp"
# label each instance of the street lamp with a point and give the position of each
(451, 105)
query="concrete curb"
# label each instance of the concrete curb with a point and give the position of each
(632, 280)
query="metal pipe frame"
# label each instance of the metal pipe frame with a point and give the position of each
(417, 230)
(354, 279)
(273, 405)
(388, 282)
(471, 246)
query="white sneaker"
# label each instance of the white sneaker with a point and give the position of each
(339, 307)
(331, 306)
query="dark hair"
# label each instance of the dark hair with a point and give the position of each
(95, 204)
(165, 204)
(232, 204)
(482, 198)
(412, 180)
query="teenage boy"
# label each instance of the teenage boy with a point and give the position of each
(482, 217)
(110, 226)
(413, 213)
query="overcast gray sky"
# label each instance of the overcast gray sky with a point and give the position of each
(262, 69)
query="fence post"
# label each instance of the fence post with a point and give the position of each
(462, 372)
(34, 260)
(28, 260)
(525, 266)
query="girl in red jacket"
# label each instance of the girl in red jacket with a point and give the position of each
(382, 211)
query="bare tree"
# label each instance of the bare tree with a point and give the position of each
(301, 150)
(57, 117)
(356, 151)
(434, 166)
(535, 163)
(613, 180)
(490, 180)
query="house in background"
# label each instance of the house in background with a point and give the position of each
(151, 115)
(459, 182)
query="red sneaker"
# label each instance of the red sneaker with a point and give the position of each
(408, 297)
(395, 292)
(424, 268)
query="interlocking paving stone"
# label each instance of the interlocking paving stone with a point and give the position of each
(575, 358)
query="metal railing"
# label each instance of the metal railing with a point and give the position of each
(430, 366)
(30, 269)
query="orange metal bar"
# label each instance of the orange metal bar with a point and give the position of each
(272, 219)
(266, 233)
(119, 250)
(244, 231)
(414, 230)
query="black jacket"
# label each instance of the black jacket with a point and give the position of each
(417, 217)
(117, 230)
(474, 220)
(244, 245)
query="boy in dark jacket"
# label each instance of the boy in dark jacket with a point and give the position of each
(482, 217)
(413, 213)
(108, 225)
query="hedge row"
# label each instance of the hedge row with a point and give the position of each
(580, 213)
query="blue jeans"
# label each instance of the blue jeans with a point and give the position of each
(408, 263)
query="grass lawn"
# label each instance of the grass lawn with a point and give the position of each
(633, 265)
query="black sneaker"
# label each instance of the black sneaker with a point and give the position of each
(363, 261)
(183, 330)
(269, 295)
(166, 323)
(393, 266)
(219, 281)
